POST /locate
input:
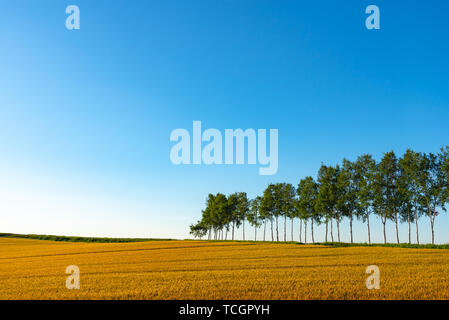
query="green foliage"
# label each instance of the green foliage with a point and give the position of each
(254, 217)
(307, 199)
(364, 171)
(347, 189)
(327, 191)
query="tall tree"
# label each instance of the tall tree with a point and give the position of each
(386, 197)
(347, 187)
(254, 217)
(231, 211)
(298, 210)
(445, 171)
(307, 203)
(278, 198)
(287, 208)
(365, 167)
(220, 214)
(243, 207)
(411, 167)
(327, 194)
(432, 184)
(267, 206)
(207, 214)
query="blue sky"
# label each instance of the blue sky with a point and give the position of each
(86, 115)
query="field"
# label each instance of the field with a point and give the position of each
(35, 269)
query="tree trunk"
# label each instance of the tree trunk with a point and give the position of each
(243, 227)
(432, 221)
(369, 231)
(255, 232)
(305, 230)
(210, 234)
(416, 223)
(350, 227)
(433, 234)
(285, 228)
(272, 235)
(327, 222)
(409, 230)
(396, 224)
(277, 228)
(338, 228)
(264, 228)
(233, 225)
(313, 239)
(431, 229)
(226, 233)
(332, 232)
(300, 230)
(291, 220)
(385, 235)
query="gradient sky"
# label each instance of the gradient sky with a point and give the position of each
(86, 115)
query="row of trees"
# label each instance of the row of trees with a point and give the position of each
(401, 190)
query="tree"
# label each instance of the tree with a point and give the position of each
(277, 208)
(347, 187)
(411, 167)
(207, 218)
(286, 194)
(198, 230)
(267, 206)
(298, 210)
(307, 203)
(444, 155)
(432, 184)
(365, 167)
(219, 215)
(243, 206)
(232, 211)
(254, 217)
(327, 195)
(386, 199)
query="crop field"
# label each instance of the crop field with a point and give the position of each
(35, 269)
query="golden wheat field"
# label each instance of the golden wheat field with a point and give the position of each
(35, 269)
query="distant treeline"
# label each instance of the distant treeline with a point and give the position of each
(75, 239)
(395, 189)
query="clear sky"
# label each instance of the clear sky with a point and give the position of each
(86, 115)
